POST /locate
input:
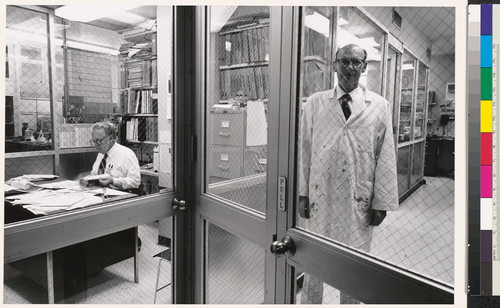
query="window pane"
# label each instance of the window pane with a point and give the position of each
(349, 176)
(407, 98)
(235, 269)
(107, 72)
(237, 91)
(27, 110)
(421, 101)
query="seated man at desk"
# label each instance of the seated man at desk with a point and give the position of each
(117, 164)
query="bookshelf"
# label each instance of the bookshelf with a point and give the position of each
(138, 104)
(244, 58)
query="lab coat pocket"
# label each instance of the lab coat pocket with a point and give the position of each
(362, 200)
(363, 138)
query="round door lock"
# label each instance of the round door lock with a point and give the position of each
(284, 247)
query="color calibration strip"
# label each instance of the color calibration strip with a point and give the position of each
(483, 86)
(486, 125)
(495, 153)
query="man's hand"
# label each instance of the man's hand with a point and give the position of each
(304, 207)
(375, 217)
(84, 183)
(105, 180)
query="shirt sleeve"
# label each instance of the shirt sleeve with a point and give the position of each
(132, 178)
(304, 152)
(385, 192)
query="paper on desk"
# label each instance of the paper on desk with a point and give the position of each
(68, 184)
(35, 177)
(7, 188)
(22, 185)
(109, 192)
(48, 201)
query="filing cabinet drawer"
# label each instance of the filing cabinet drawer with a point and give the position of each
(225, 162)
(226, 128)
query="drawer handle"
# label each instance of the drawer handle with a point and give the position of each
(225, 134)
(223, 168)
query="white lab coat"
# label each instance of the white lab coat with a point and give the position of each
(346, 167)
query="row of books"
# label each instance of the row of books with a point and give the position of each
(142, 129)
(247, 46)
(251, 82)
(139, 74)
(139, 101)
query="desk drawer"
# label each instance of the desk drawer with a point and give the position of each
(226, 128)
(225, 161)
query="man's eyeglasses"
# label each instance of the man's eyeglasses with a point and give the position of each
(98, 141)
(355, 62)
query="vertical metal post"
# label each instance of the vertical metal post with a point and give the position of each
(50, 277)
(136, 255)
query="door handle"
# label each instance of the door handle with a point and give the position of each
(179, 204)
(285, 247)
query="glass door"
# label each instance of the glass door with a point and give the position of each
(237, 112)
(330, 247)
(254, 244)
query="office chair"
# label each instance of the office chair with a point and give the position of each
(165, 256)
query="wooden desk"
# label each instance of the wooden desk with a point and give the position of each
(65, 271)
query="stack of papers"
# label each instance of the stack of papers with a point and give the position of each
(35, 177)
(59, 196)
(24, 183)
(48, 201)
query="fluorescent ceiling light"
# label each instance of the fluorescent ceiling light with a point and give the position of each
(408, 66)
(86, 13)
(318, 23)
(368, 43)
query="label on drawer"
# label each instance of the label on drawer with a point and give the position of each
(224, 124)
(224, 157)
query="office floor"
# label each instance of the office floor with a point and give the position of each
(419, 237)
(114, 285)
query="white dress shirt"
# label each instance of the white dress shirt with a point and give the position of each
(122, 165)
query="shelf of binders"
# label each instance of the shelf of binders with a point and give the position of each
(139, 100)
(244, 58)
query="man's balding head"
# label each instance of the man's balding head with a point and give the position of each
(350, 63)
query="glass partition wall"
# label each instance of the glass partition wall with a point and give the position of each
(62, 77)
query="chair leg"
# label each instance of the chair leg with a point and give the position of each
(136, 256)
(157, 279)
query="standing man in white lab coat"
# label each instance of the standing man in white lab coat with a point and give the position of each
(347, 162)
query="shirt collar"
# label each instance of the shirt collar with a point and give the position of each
(359, 99)
(112, 150)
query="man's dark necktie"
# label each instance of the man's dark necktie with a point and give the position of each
(102, 165)
(344, 101)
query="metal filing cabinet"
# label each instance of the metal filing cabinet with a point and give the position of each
(229, 156)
